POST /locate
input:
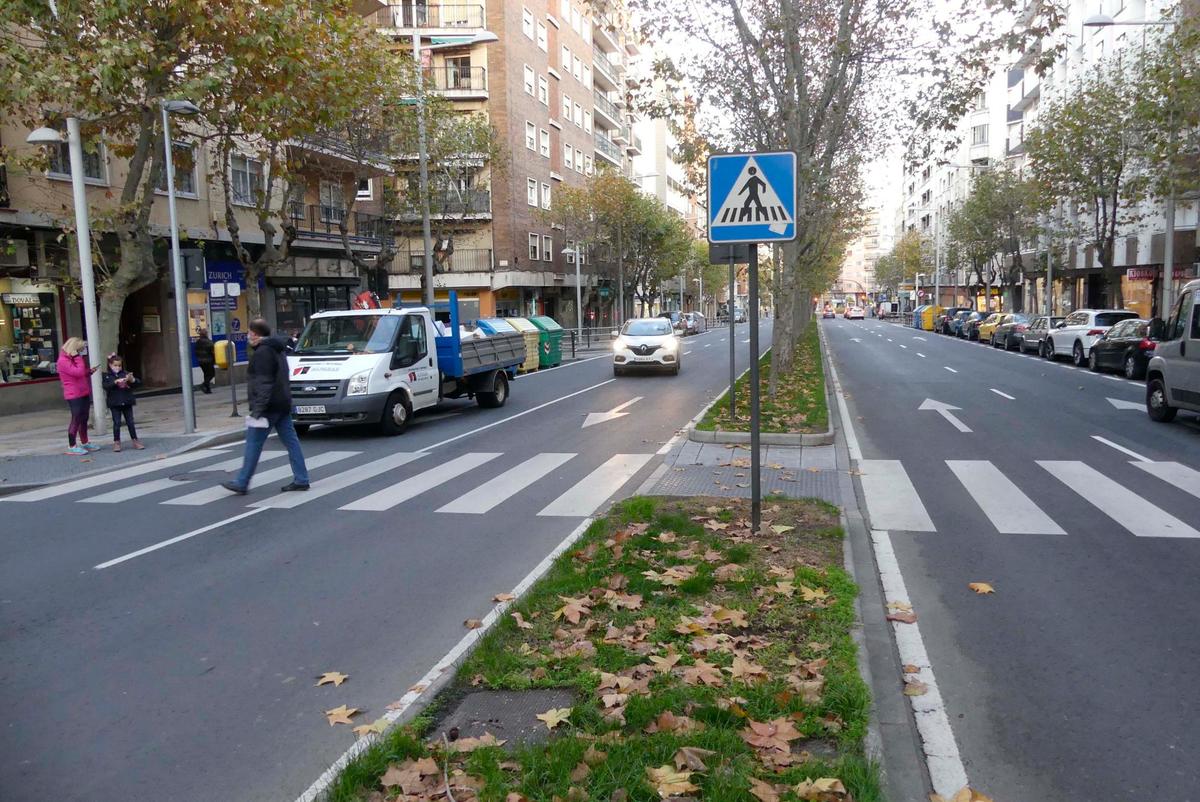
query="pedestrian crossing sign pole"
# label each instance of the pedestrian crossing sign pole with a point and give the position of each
(752, 199)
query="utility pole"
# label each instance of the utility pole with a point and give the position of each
(423, 168)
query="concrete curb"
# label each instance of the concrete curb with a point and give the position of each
(205, 441)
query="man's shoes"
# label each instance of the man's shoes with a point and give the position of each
(288, 488)
(232, 488)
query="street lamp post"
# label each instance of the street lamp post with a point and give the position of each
(83, 240)
(169, 107)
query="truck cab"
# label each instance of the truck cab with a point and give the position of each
(379, 366)
(1173, 374)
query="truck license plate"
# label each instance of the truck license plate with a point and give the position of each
(315, 409)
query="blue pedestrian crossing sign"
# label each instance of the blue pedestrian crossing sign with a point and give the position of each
(752, 197)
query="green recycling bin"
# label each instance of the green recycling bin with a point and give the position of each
(551, 341)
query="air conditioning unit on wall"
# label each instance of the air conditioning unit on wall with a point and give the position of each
(14, 253)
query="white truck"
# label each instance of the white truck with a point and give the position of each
(379, 366)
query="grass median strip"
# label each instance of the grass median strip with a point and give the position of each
(696, 661)
(798, 405)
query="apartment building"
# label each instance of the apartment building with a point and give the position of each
(856, 279)
(553, 84)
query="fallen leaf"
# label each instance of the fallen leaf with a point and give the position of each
(692, 757)
(914, 687)
(735, 617)
(823, 789)
(903, 618)
(780, 529)
(668, 781)
(747, 671)
(332, 676)
(763, 791)
(909, 668)
(340, 715)
(521, 622)
(471, 744)
(899, 606)
(703, 673)
(965, 795)
(667, 537)
(554, 716)
(727, 572)
(580, 772)
(503, 597)
(813, 594)
(664, 664)
(472, 623)
(378, 726)
(594, 757)
(573, 609)
(770, 735)
(783, 588)
(981, 588)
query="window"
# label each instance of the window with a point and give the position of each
(185, 170)
(333, 205)
(530, 135)
(566, 108)
(411, 345)
(566, 58)
(566, 10)
(527, 22)
(587, 121)
(578, 115)
(1195, 335)
(579, 162)
(569, 252)
(545, 196)
(542, 42)
(247, 180)
(547, 249)
(577, 68)
(534, 247)
(93, 161)
(577, 21)
(366, 190)
(545, 143)
(568, 157)
(979, 135)
(530, 79)
(543, 90)
(531, 192)
(587, 76)
(589, 166)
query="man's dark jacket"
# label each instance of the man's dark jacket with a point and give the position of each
(267, 377)
(204, 351)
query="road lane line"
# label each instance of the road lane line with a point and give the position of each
(414, 486)
(1010, 511)
(90, 482)
(952, 370)
(892, 501)
(1121, 448)
(1002, 395)
(889, 339)
(1173, 473)
(1118, 502)
(498, 490)
(544, 371)
(902, 345)
(920, 355)
(171, 541)
(216, 493)
(594, 489)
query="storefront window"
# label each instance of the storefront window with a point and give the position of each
(294, 305)
(29, 335)
(1138, 295)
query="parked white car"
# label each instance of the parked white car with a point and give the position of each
(646, 343)
(1075, 335)
(1173, 375)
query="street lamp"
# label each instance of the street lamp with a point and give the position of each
(1168, 277)
(83, 240)
(578, 285)
(185, 107)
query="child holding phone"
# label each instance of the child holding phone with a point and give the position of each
(118, 387)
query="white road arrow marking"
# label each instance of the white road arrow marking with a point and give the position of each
(945, 410)
(1121, 404)
(922, 339)
(600, 417)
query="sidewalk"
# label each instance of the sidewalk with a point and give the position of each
(32, 444)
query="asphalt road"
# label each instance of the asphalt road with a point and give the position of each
(187, 672)
(1076, 680)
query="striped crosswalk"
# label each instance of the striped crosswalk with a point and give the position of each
(895, 504)
(575, 485)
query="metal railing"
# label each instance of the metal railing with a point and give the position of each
(411, 14)
(605, 66)
(608, 107)
(463, 260)
(608, 148)
(452, 79)
(448, 204)
(324, 220)
(635, 143)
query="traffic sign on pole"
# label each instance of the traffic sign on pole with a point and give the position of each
(752, 197)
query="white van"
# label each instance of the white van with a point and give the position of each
(1173, 375)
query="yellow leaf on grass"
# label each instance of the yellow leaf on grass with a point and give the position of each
(573, 609)
(340, 715)
(747, 671)
(822, 788)
(780, 529)
(378, 726)
(332, 677)
(668, 781)
(521, 622)
(554, 716)
(813, 594)
(763, 791)
(692, 757)
(981, 588)
(735, 617)
(664, 664)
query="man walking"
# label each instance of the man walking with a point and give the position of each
(270, 408)
(206, 358)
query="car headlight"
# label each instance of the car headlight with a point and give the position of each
(671, 344)
(619, 344)
(358, 383)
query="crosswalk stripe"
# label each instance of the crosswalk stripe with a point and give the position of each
(585, 497)
(332, 484)
(211, 494)
(133, 491)
(416, 485)
(236, 463)
(892, 501)
(1124, 506)
(1181, 476)
(90, 482)
(495, 491)
(1009, 510)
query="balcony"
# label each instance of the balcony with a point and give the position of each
(459, 82)
(604, 33)
(607, 113)
(401, 15)
(465, 260)
(606, 148)
(323, 221)
(475, 204)
(635, 144)
(1031, 90)
(604, 73)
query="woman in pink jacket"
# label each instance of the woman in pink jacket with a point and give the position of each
(76, 378)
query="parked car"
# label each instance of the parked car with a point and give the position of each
(969, 328)
(1034, 335)
(1075, 335)
(646, 343)
(944, 321)
(855, 313)
(1173, 375)
(694, 323)
(1006, 333)
(676, 319)
(957, 321)
(1127, 347)
(740, 316)
(983, 332)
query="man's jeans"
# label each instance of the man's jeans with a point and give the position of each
(282, 424)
